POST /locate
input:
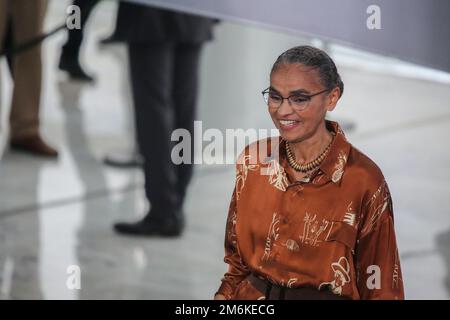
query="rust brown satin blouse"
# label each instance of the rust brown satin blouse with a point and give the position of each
(333, 230)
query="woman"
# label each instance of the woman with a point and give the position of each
(313, 219)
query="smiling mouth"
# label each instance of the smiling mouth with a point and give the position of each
(288, 122)
(287, 125)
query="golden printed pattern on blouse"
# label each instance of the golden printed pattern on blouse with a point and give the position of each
(232, 227)
(242, 174)
(341, 270)
(277, 175)
(272, 236)
(396, 273)
(339, 168)
(292, 245)
(350, 215)
(312, 229)
(291, 282)
(376, 206)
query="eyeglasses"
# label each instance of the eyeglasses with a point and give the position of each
(298, 102)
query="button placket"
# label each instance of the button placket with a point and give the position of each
(287, 237)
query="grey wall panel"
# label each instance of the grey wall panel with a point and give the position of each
(413, 30)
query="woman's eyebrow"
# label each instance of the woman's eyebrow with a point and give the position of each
(300, 92)
(273, 89)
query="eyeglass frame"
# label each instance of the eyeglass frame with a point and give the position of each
(307, 96)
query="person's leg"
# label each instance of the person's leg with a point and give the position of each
(27, 23)
(75, 36)
(128, 157)
(151, 68)
(3, 24)
(185, 87)
(71, 49)
(8, 44)
(4, 5)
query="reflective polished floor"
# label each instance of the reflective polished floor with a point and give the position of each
(57, 214)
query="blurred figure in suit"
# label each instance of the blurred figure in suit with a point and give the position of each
(69, 61)
(25, 20)
(164, 51)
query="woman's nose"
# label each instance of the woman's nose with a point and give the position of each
(285, 108)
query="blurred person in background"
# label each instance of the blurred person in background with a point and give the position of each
(164, 50)
(70, 53)
(25, 20)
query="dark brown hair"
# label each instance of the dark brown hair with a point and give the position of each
(316, 58)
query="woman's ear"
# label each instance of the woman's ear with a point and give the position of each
(333, 98)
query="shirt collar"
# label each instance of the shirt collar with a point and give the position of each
(334, 163)
(333, 166)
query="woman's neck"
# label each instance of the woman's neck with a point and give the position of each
(310, 148)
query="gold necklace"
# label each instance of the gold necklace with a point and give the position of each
(309, 166)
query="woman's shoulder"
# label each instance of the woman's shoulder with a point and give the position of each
(376, 201)
(364, 169)
(259, 151)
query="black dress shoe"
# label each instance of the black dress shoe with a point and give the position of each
(167, 227)
(73, 68)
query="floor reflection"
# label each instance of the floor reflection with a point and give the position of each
(20, 238)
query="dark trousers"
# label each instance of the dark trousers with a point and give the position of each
(164, 79)
(75, 36)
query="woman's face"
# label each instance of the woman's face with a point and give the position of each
(297, 79)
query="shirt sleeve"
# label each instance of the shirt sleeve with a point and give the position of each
(237, 270)
(377, 261)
